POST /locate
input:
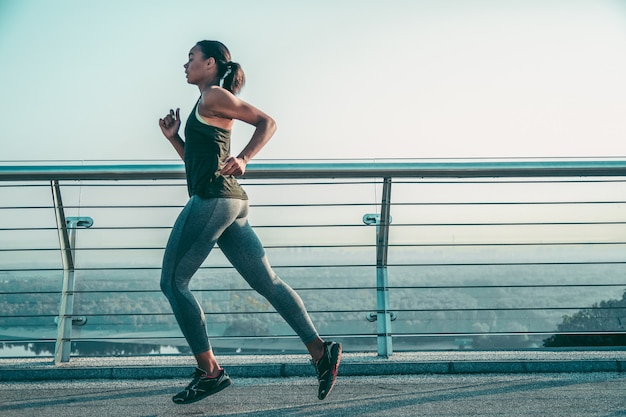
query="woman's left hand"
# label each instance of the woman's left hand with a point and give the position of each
(234, 166)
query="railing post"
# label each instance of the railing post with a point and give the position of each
(383, 316)
(67, 243)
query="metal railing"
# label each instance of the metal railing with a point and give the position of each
(466, 254)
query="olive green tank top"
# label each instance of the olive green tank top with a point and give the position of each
(206, 148)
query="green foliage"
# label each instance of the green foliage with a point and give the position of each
(606, 316)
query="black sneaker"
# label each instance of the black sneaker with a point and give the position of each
(201, 387)
(327, 368)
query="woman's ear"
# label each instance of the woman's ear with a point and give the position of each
(210, 62)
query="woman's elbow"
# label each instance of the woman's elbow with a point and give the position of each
(271, 125)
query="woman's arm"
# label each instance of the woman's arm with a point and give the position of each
(169, 126)
(221, 103)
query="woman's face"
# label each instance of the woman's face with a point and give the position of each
(196, 68)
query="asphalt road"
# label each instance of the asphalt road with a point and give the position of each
(553, 395)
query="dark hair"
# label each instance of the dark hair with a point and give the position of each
(230, 72)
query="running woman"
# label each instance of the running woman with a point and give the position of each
(217, 212)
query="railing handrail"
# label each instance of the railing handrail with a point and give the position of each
(305, 169)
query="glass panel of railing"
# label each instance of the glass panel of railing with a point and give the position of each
(313, 234)
(30, 269)
(500, 263)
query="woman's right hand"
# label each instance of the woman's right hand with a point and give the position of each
(170, 124)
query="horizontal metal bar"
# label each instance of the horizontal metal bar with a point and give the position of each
(501, 286)
(158, 268)
(157, 339)
(213, 337)
(360, 225)
(317, 266)
(331, 246)
(537, 308)
(365, 310)
(308, 205)
(402, 287)
(529, 333)
(370, 169)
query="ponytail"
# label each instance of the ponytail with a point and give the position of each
(234, 79)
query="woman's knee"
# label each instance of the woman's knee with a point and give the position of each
(166, 286)
(271, 286)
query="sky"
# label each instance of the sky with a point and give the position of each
(344, 79)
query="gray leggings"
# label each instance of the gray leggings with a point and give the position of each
(201, 224)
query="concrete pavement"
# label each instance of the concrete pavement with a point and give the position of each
(554, 395)
(472, 383)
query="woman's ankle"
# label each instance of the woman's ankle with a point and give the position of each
(208, 363)
(316, 349)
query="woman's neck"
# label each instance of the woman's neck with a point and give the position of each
(207, 85)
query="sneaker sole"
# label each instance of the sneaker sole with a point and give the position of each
(217, 389)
